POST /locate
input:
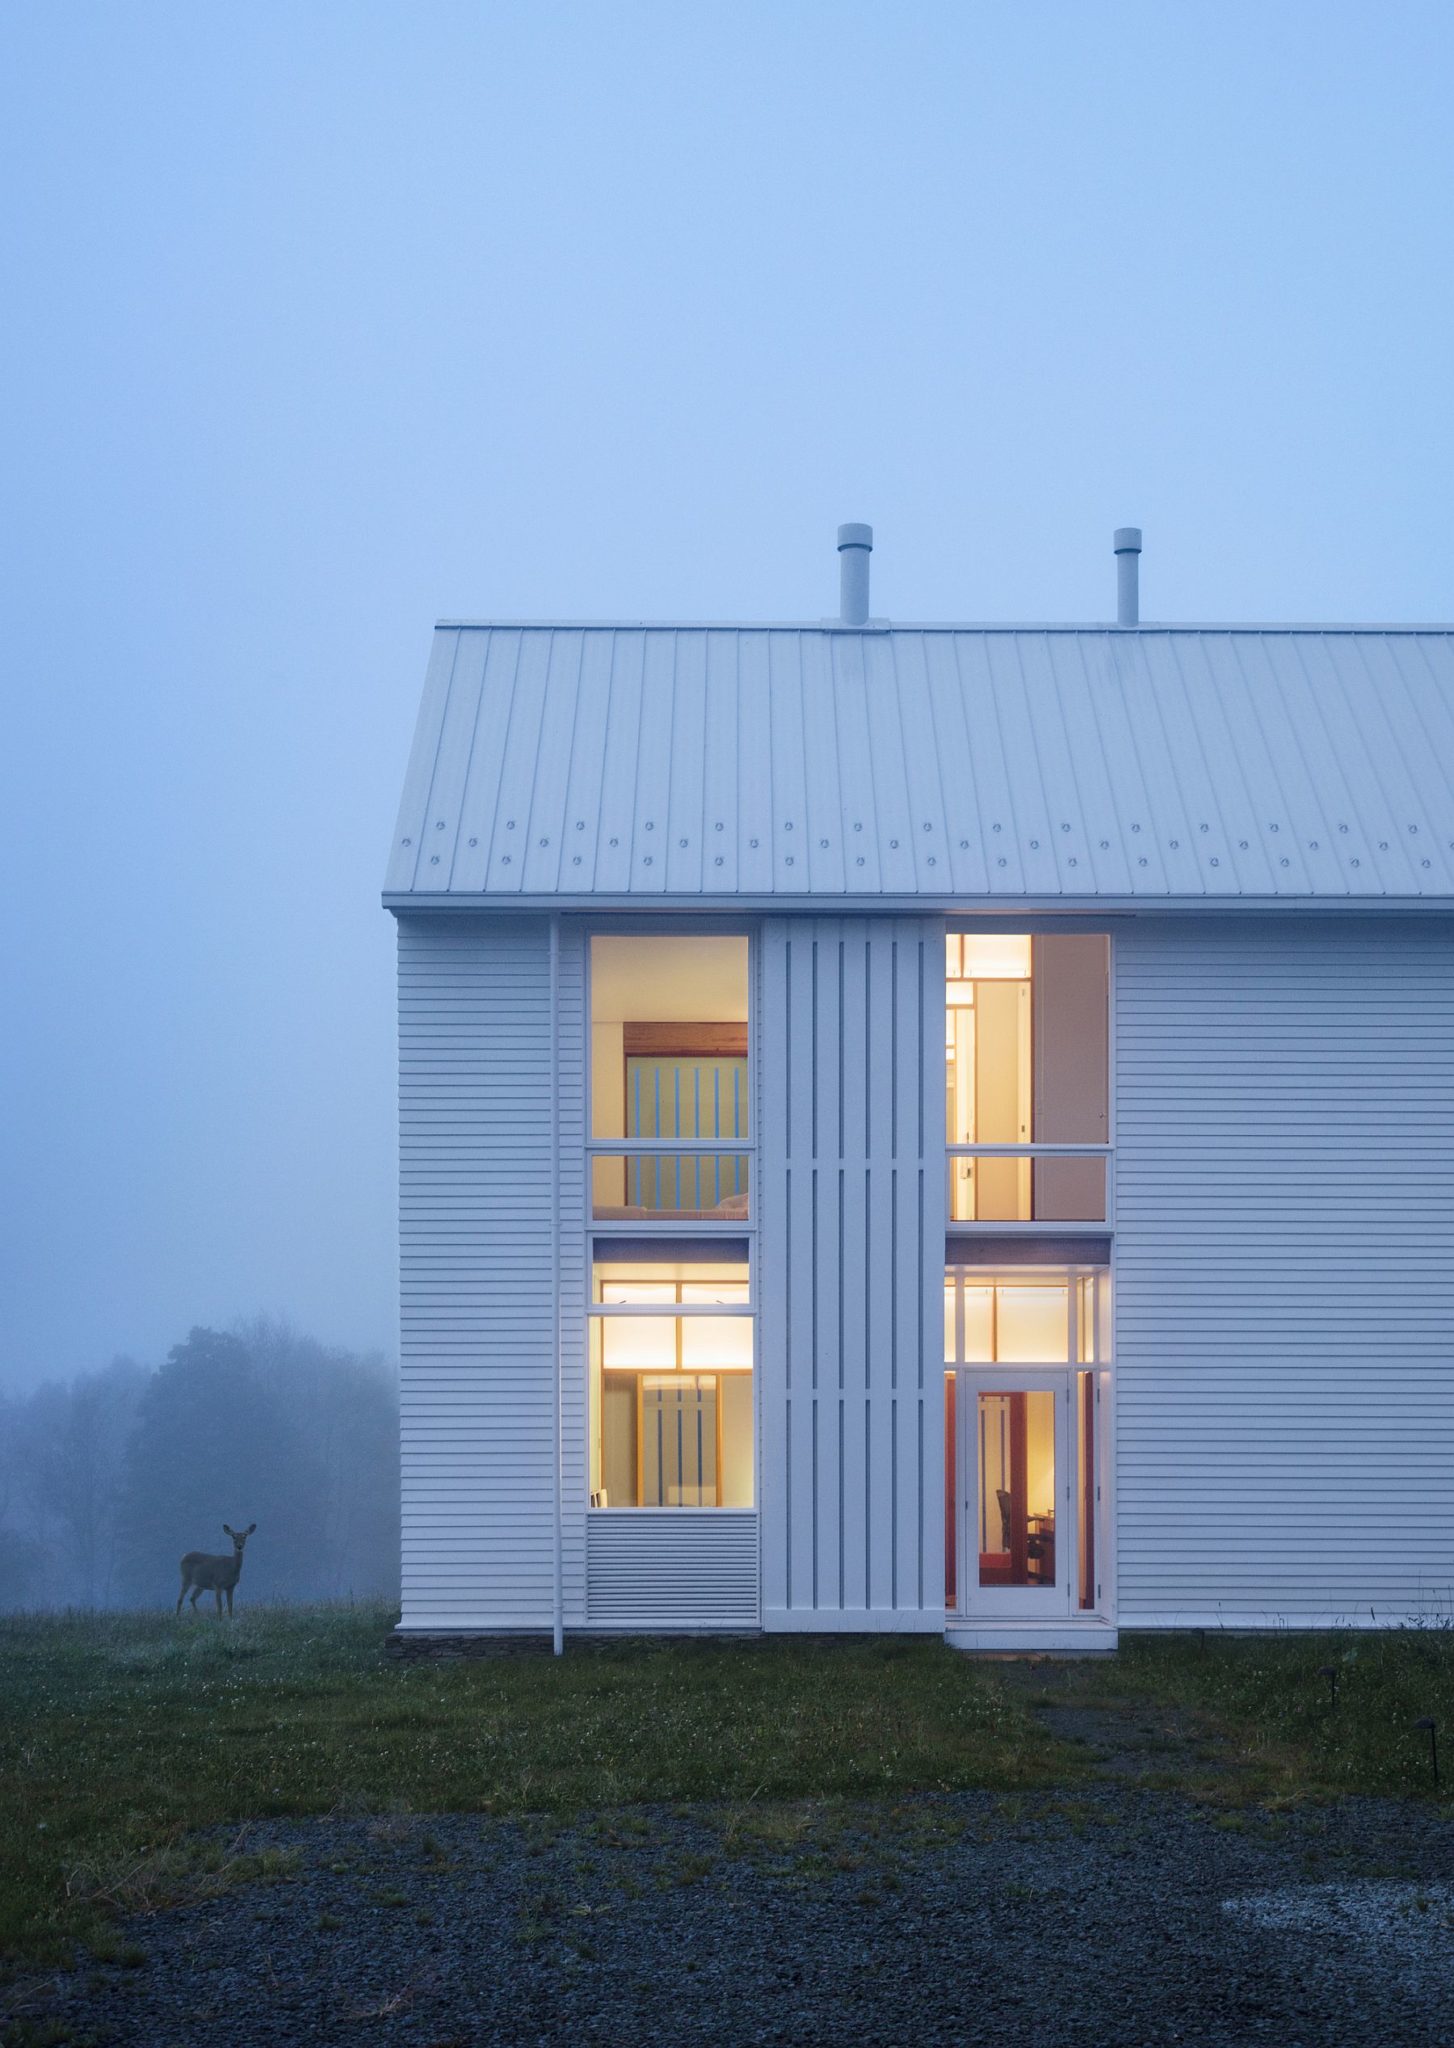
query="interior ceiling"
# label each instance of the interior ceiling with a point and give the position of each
(668, 981)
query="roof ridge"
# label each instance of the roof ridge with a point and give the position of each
(881, 629)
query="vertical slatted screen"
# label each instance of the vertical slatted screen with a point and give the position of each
(851, 1273)
(1284, 1281)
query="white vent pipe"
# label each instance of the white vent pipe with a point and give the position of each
(1128, 575)
(855, 545)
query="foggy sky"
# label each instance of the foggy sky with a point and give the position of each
(322, 321)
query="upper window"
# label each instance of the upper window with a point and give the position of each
(1026, 1072)
(670, 1080)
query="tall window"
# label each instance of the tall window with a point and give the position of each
(1026, 1077)
(669, 1080)
(671, 1325)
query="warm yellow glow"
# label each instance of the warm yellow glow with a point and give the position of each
(1008, 1321)
(1040, 1454)
(615, 1291)
(717, 1343)
(987, 956)
(715, 1293)
(1031, 1326)
(639, 1343)
(618, 1281)
(979, 1325)
(693, 1343)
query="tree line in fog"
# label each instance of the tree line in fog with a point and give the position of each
(107, 1480)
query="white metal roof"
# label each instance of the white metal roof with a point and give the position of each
(640, 764)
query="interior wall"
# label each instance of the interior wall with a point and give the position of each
(734, 1392)
(608, 1113)
(650, 979)
(1001, 1093)
(1072, 1070)
(1040, 1492)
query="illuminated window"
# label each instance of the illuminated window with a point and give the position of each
(1027, 1318)
(1052, 1323)
(671, 1407)
(670, 1071)
(1026, 1063)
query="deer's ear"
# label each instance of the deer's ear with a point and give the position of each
(250, 1527)
(225, 1530)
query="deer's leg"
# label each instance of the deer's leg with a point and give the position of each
(229, 1603)
(195, 1591)
(183, 1594)
(217, 1596)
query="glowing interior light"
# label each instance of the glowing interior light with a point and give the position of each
(988, 956)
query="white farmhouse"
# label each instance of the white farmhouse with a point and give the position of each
(927, 1128)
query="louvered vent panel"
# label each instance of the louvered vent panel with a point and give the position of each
(679, 1568)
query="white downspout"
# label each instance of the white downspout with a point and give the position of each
(558, 1609)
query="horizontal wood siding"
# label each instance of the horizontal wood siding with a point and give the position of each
(575, 1278)
(477, 1287)
(1284, 1285)
(679, 1568)
(851, 1273)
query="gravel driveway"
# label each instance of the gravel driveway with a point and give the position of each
(1112, 1912)
(1118, 1915)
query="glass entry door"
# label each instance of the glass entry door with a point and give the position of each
(1015, 1456)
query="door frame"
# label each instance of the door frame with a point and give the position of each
(1054, 1603)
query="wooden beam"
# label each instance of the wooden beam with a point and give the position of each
(684, 1041)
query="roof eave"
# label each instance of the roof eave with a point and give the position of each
(926, 906)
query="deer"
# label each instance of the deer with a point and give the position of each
(217, 1575)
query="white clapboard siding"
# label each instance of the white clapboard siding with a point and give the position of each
(851, 1273)
(575, 1278)
(672, 1568)
(1284, 1285)
(477, 1287)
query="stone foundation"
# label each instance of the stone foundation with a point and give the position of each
(416, 1645)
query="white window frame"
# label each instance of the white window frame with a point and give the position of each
(680, 1148)
(1056, 1374)
(1030, 1226)
(603, 1233)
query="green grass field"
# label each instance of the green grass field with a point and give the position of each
(1268, 1705)
(121, 1736)
(123, 1733)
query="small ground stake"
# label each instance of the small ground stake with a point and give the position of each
(1330, 1672)
(1428, 1721)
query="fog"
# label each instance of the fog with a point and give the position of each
(325, 321)
(108, 1481)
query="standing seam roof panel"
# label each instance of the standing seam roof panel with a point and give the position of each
(1070, 764)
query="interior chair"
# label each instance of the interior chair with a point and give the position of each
(1037, 1547)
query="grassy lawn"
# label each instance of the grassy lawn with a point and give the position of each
(1270, 1709)
(122, 1735)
